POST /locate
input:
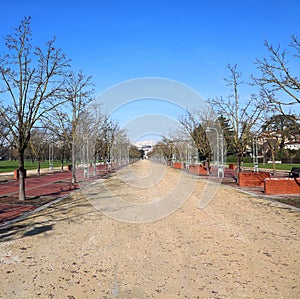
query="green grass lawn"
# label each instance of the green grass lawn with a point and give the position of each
(286, 167)
(9, 166)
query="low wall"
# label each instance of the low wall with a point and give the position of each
(252, 179)
(282, 186)
(178, 165)
(197, 169)
(102, 167)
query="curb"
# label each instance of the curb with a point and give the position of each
(265, 197)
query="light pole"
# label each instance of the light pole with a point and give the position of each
(220, 143)
(51, 154)
(85, 149)
(255, 154)
(208, 130)
(221, 168)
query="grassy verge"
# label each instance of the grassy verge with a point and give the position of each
(286, 167)
(9, 166)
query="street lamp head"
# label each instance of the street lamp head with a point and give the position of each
(209, 129)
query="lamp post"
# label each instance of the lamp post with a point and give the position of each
(221, 168)
(85, 149)
(220, 143)
(208, 129)
(51, 154)
(255, 154)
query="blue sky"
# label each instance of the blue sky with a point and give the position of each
(188, 41)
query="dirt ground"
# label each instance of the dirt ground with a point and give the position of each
(208, 244)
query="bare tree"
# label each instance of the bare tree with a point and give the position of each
(59, 125)
(38, 145)
(278, 81)
(134, 153)
(78, 93)
(106, 138)
(276, 131)
(6, 140)
(163, 148)
(194, 124)
(242, 116)
(32, 83)
(120, 147)
(91, 126)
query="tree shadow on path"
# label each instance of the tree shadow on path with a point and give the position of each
(70, 210)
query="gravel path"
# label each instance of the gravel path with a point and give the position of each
(235, 246)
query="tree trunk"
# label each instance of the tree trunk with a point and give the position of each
(264, 157)
(74, 179)
(39, 167)
(62, 158)
(208, 164)
(21, 176)
(95, 163)
(238, 166)
(273, 162)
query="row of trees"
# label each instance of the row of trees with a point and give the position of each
(42, 96)
(266, 116)
(44, 102)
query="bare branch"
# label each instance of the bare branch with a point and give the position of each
(32, 81)
(277, 77)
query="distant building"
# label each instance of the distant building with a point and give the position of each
(146, 146)
(292, 145)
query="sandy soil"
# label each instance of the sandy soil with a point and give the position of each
(235, 247)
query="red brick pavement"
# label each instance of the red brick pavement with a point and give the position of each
(39, 190)
(9, 211)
